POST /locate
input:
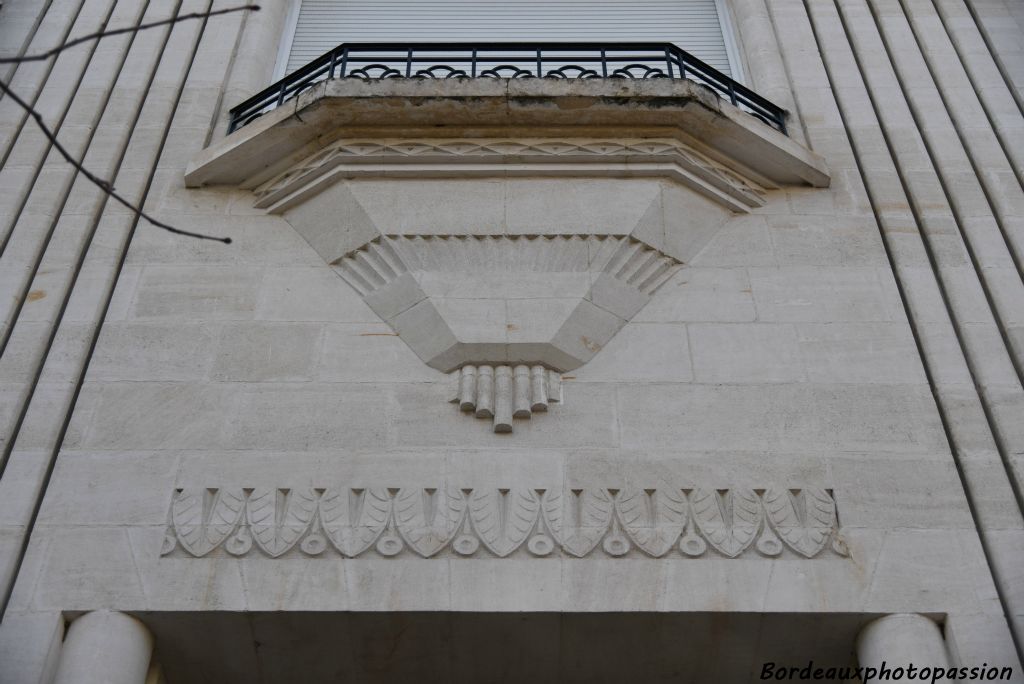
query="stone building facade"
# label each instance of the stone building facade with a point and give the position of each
(559, 379)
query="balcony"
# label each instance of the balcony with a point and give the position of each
(369, 61)
(506, 226)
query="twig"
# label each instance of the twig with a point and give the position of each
(128, 29)
(103, 185)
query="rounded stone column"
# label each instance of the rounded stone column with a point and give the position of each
(902, 640)
(105, 647)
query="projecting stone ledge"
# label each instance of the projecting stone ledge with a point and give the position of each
(469, 107)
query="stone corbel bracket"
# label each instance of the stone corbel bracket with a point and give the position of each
(449, 521)
(540, 274)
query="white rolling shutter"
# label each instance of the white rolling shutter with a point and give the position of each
(691, 24)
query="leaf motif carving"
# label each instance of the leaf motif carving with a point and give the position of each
(730, 520)
(353, 519)
(204, 518)
(427, 519)
(279, 517)
(653, 518)
(804, 520)
(579, 519)
(503, 518)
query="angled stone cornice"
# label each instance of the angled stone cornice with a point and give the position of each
(451, 521)
(497, 157)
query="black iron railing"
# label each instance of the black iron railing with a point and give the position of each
(506, 60)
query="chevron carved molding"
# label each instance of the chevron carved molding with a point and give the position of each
(433, 158)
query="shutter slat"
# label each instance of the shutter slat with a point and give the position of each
(691, 24)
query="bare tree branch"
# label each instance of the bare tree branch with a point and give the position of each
(127, 29)
(104, 185)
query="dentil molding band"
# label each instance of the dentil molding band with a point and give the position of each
(499, 522)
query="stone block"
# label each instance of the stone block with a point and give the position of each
(691, 222)
(742, 241)
(616, 296)
(391, 300)
(911, 491)
(859, 353)
(702, 294)
(583, 206)
(154, 415)
(805, 294)
(745, 353)
(423, 418)
(642, 352)
(948, 568)
(310, 294)
(333, 222)
(87, 568)
(308, 417)
(586, 332)
(153, 351)
(534, 584)
(262, 352)
(23, 476)
(110, 488)
(293, 584)
(443, 206)
(427, 333)
(791, 418)
(821, 241)
(210, 292)
(369, 352)
(426, 586)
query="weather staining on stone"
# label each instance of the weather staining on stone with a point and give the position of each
(427, 522)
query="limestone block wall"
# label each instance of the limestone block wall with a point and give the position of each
(863, 341)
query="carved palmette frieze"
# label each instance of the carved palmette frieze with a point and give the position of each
(499, 157)
(278, 518)
(428, 519)
(353, 519)
(204, 519)
(504, 518)
(654, 519)
(428, 522)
